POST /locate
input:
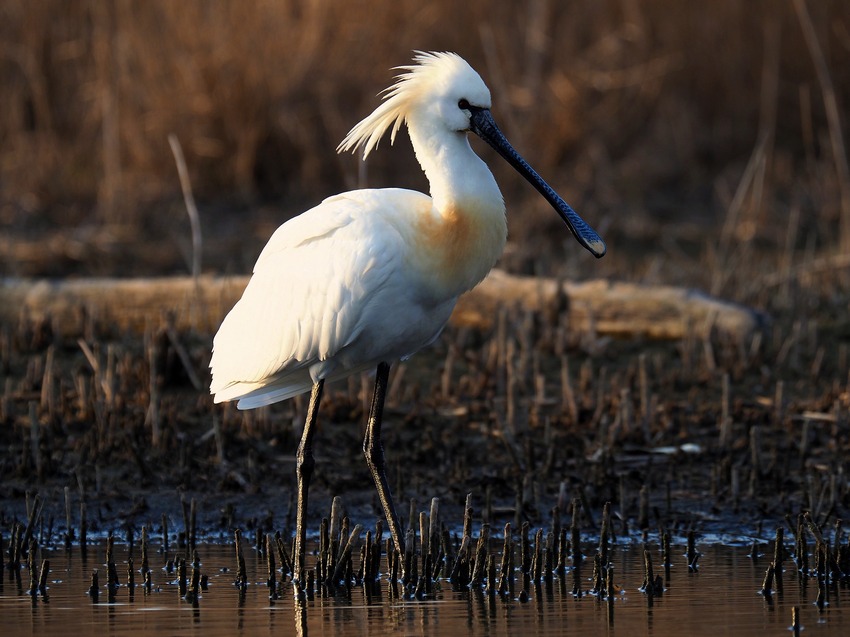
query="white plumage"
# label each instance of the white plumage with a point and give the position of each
(368, 275)
(332, 293)
(371, 276)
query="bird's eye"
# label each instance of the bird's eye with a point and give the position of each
(463, 105)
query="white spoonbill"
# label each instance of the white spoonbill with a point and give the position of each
(368, 277)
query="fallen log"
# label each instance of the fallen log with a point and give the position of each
(600, 307)
(612, 308)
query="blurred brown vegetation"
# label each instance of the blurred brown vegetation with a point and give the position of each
(647, 116)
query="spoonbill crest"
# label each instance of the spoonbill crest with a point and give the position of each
(368, 277)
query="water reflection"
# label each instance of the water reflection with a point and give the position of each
(722, 597)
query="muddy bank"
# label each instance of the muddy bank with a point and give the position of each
(702, 432)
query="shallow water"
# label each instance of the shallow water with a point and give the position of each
(722, 598)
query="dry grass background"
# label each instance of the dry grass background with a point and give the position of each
(693, 136)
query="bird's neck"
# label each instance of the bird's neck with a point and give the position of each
(466, 228)
(455, 173)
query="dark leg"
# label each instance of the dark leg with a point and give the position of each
(304, 464)
(374, 451)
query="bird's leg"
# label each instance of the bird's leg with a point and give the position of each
(304, 464)
(374, 451)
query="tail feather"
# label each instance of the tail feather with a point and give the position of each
(265, 392)
(274, 390)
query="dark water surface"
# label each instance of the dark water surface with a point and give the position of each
(722, 598)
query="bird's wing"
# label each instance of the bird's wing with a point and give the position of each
(313, 225)
(310, 287)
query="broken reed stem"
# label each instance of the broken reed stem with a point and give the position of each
(144, 549)
(94, 587)
(648, 575)
(459, 572)
(603, 547)
(344, 562)
(524, 549)
(111, 571)
(365, 561)
(563, 550)
(692, 554)
(182, 586)
(767, 583)
(507, 550)
(424, 536)
(833, 117)
(435, 550)
(778, 557)
(15, 547)
(194, 592)
(492, 584)
(392, 563)
(339, 543)
(410, 575)
(164, 534)
(801, 547)
(31, 562)
(271, 581)
(83, 527)
(282, 555)
(42, 578)
(643, 510)
(481, 555)
(131, 574)
(335, 521)
(189, 201)
(376, 550)
(447, 551)
(182, 354)
(326, 554)
(540, 567)
(69, 529)
(184, 508)
(575, 534)
(607, 528)
(241, 572)
(467, 517)
(653, 584)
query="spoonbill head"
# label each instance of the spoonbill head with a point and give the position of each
(368, 277)
(440, 97)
